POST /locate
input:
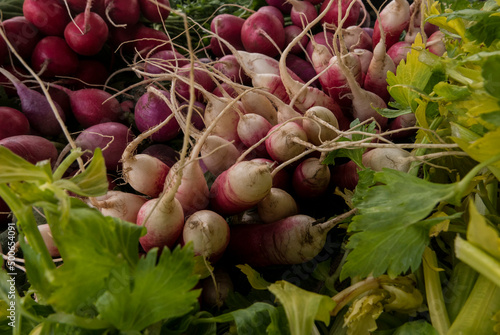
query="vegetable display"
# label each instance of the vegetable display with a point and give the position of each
(250, 167)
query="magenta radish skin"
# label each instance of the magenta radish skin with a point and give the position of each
(332, 15)
(251, 129)
(218, 154)
(111, 137)
(280, 143)
(150, 110)
(399, 51)
(208, 232)
(13, 123)
(164, 221)
(293, 240)
(123, 11)
(284, 6)
(60, 58)
(36, 108)
(311, 178)
(291, 31)
(277, 205)
(302, 68)
(145, 174)
(121, 205)
(394, 18)
(164, 61)
(201, 77)
(32, 148)
(273, 11)
(193, 192)
(257, 31)
(50, 16)
(376, 76)
(230, 67)
(95, 34)
(148, 40)
(22, 34)
(302, 13)
(90, 73)
(228, 28)
(92, 106)
(318, 133)
(153, 12)
(163, 152)
(240, 188)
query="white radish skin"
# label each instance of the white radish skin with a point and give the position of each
(48, 239)
(318, 133)
(251, 129)
(394, 19)
(356, 37)
(376, 76)
(277, 205)
(280, 143)
(145, 174)
(164, 220)
(334, 80)
(240, 187)
(218, 154)
(226, 125)
(208, 232)
(311, 178)
(391, 158)
(435, 43)
(281, 179)
(365, 58)
(193, 191)
(255, 102)
(121, 205)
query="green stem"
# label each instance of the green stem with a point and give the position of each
(462, 185)
(434, 293)
(421, 151)
(459, 287)
(65, 164)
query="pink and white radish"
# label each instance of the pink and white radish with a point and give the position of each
(263, 33)
(218, 154)
(251, 129)
(398, 51)
(277, 205)
(435, 43)
(281, 142)
(393, 20)
(281, 178)
(119, 204)
(317, 132)
(302, 13)
(376, 76)
(311, 178)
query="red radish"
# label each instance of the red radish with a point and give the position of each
(150, 110)
(13, 123)
(303, 69)
(37, 108)
(281, 144)
(282, 5)
(208, 232)
(22, 34)
(324, 38)
(293, 240)
(311, 178)
(54, 57)
(317, 133)
(435, 43)
(251, 129)
(365, 58)
(111, 137)
(230, 67)
(198, 113)
(79, 6)
(123, 11)
(50, 16)
(148, 40)
(393, 19)
(164, 61)
(273, 11)
(31, 147)
(119, 204)
(4, 51)
(302, 13)
(398, 51)
(123, 37)
(376, 76)
(226, 27)
(281, 179)
(218, 154)
(277, 205)
(351, 15)
(201, 77)
(291, 31)
(357, 38)
(240, 187)
(155, 11)
(263, 33)
(86, 33)
(192, 191)
(91, 72)
(164, 220)
(163, 152)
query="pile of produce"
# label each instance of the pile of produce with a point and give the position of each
(250, 167)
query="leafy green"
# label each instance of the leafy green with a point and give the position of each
(419, 327)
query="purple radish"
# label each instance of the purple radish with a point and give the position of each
(31, 147)
(13, 123)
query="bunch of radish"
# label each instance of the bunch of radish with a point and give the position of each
(256, 113)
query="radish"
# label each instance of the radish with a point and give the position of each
(251, 129)
(201, 77)
(351, 15)
(111, 137)
(224, 90)
(376, 76)
(218, 154)
(91, 72)
(208, 232)
(317, 132)
(163, 152)
(405, 126)
(216, 290)
(293, 240)
(365, 58)
(164, 220)
(283, 5)
(273, 11)
(164, 61)
(37, 108)
(119, 204)
(228, 66)
(197, 115)
(240, 187)
(291, 31)
(155, 11)
(13, 123)
(311, 178)
(123, 12)
(324, 38)
(281, 144)
(52, 56)
(151, 110)
(393, 19)
(281, 178)
(302, 13)
(22, 34)
(86, 34)
(263, 33)
(303, 69)
(50, 16)
(32, 148)
(277, 205)
(398, 51)
(226, 27)
(357, 38)
(224, 116)
(44, 229)
(435, 43)
(149, 40)
(256, 102)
